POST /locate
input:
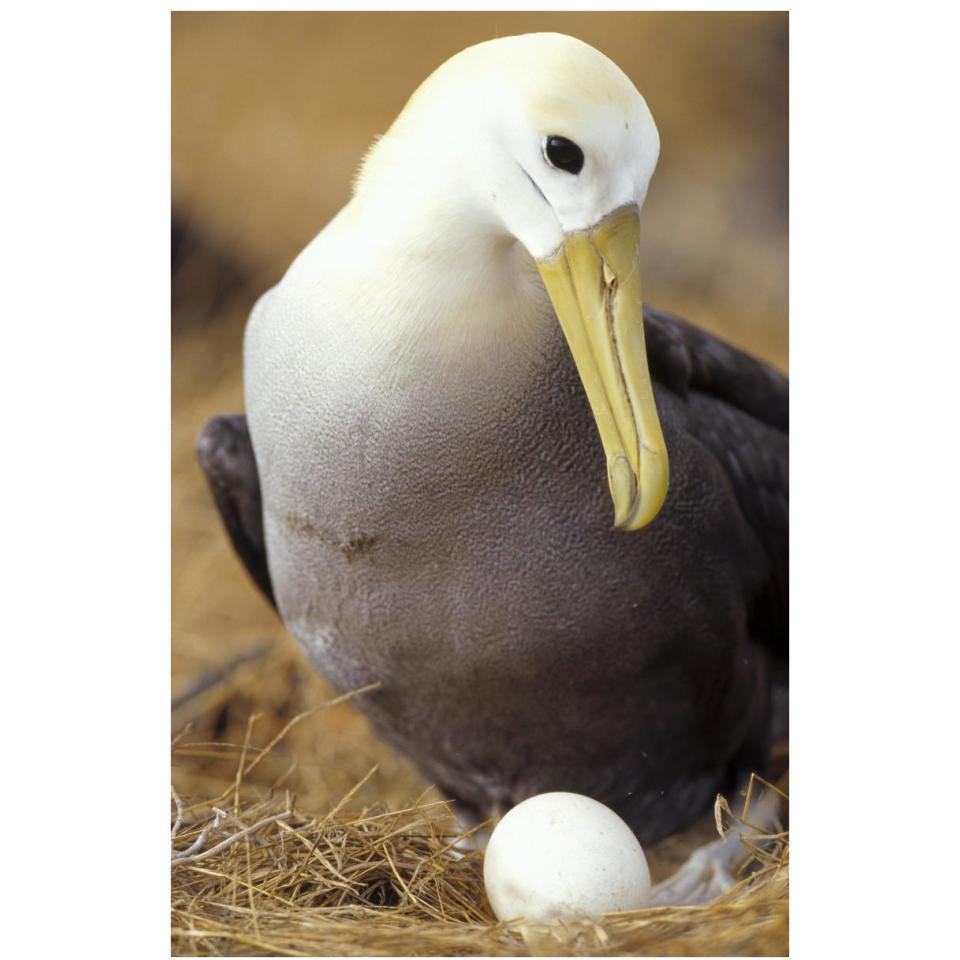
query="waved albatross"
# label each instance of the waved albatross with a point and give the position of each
(443, 395)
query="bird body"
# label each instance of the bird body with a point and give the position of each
(433, 513)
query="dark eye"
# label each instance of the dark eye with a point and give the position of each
(563, 154)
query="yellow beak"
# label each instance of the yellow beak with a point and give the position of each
(594, 283)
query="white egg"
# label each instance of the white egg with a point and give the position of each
(560, 856)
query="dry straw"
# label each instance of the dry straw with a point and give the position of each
(254, 875)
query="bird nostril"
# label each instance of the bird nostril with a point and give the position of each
(609, 277)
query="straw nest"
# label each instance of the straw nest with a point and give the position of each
(254, 874)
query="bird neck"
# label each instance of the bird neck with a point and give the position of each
(443, 287)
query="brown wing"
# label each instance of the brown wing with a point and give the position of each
(738, 408)
(226, 455)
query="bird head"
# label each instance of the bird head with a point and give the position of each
(548, 143)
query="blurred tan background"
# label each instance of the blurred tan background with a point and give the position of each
(271, 115)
